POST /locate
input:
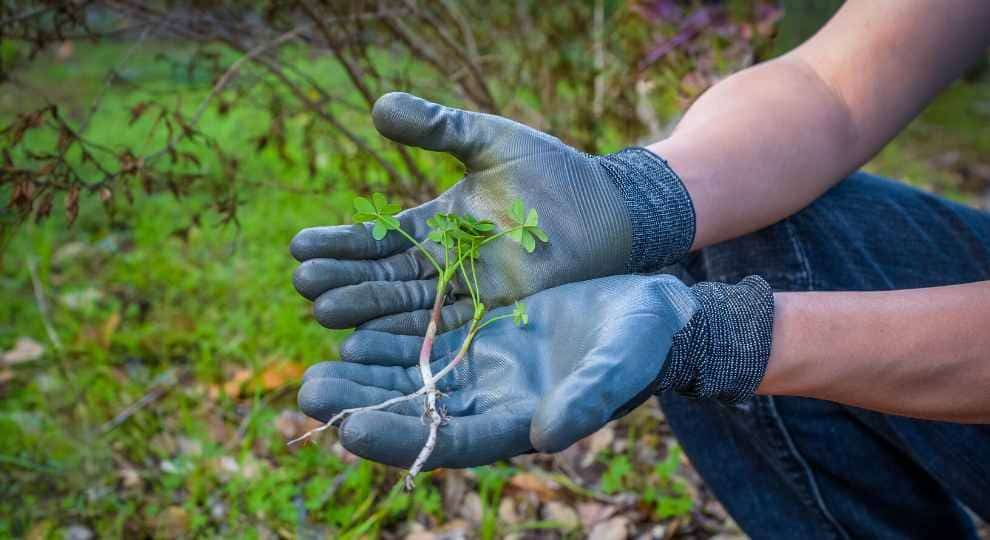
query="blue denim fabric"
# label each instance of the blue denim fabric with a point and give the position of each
(789, 467)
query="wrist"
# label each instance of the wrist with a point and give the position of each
(660, 210)
(724, 349)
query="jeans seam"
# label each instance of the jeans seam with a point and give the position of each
(800, 253)
(817, 502)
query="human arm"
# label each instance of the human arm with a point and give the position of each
(923, 353)
(765, 142)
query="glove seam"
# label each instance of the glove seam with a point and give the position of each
(661, 212)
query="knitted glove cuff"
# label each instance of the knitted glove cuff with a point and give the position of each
(660, 209)
(723, 351)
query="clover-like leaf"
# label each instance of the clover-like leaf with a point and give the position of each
(379, 231)
(532, 219)
(364, 206)
(539, 233)
(389, 222)
(378, 200)
(518, 212)
(528, 241)
(519, 315)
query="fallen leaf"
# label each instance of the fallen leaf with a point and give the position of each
(173, 522)
(107, 330)
(597, 442)
(278, 374)
(233, 385)
(454, 488)
(25, 350)
(40, 530)
(78, 532)
(562, 514)
(130, 477)
(593, 513)
(472, 508)
(507, 511)
(530, 483)
(292, 424)
(613, 529)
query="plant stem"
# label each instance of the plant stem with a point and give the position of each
(429, 386)
(461, 258)
(493, 319)
(422, 249)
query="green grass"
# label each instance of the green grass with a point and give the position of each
(165, 289)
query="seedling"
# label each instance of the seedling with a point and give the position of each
(460, 239)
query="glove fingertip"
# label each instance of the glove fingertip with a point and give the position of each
(552, 429)
(391, 113)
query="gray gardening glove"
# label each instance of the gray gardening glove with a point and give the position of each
(622, 213)
(590, 352)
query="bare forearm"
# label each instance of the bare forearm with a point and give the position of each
(922, 353)
(767, 141)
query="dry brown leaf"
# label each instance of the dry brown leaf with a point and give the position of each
(233, 385)
(107, 330)
(593, 513)
(507, 511)
(531, 483)
(130, 477)
(472, 508)
(173, 522)
(454, 488)
(274, 375)
(25, 350)
(562, 514)
(39, 530)
(278, 374)
(616, 528)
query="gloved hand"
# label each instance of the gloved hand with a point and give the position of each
(622, 213)
(591, 352)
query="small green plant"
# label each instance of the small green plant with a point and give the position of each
(667, 492)
(459, 240)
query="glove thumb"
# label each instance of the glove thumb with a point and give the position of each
(471, 137)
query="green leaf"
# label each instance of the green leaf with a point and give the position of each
(391, 209)
(516, 234)
(539, 233)
(435, 236)
(379, 200)
(389, 222)
(528, 242)
(378, 231)
(517, 212)
(364, 206)
(361, 216)
(485, 226)
(519, 316)
(532, 219)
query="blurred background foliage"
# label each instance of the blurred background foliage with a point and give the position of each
(157, 156)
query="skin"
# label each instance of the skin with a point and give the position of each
(801, 123)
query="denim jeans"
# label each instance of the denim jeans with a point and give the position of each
(787, 467)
